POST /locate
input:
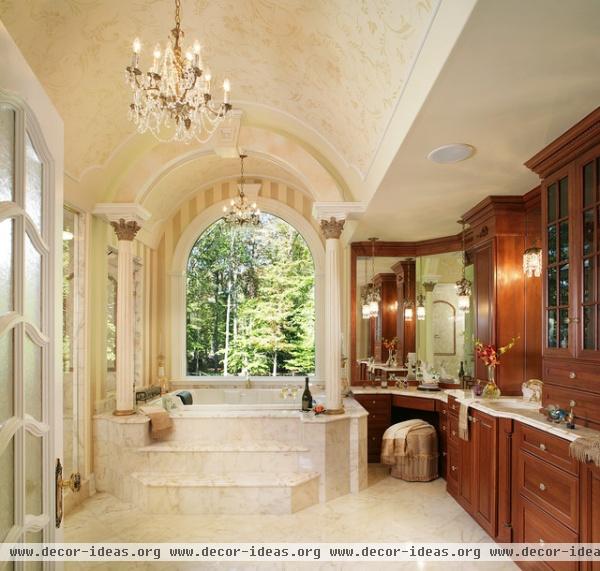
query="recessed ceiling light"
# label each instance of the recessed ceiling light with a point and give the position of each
(453, 153)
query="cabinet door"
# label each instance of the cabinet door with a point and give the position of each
(485, 441)
(466, 475)
(483, 301)
(559, 279)
(587, 199)
(590, 510)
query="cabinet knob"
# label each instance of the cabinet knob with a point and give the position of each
(542, 487)
(444, 428)
(542, 447)
(541, 540)
(454, 468)
(572, 375)
(444, 453)
(373, 401)
(444, 411)
(454, 433)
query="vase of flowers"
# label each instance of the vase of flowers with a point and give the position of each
(490, 356)
(392, 347)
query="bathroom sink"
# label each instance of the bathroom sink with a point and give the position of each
(516, 403)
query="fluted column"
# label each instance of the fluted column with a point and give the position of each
(332, 230)
(125, 218)
(125, 231)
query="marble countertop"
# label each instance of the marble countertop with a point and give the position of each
(504, 407)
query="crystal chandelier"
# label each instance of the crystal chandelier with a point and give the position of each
(463, 286)
(174, 94)
(241, 212)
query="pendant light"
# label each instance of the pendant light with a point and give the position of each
(420, 308)
(373, 295)
(409, 312)
(463, 286)
(532, 262)
(365, 308)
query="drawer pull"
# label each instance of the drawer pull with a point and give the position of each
(542, 447)
(444, 428)
(444, 411)
(454, 433)
(542, 487)
(572, 375)
(541, 540)
(454, 468)
(444, 453)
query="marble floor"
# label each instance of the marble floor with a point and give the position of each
(389, 510)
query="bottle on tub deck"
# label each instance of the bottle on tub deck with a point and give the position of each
(307, 400)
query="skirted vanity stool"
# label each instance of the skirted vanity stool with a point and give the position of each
(411, 449)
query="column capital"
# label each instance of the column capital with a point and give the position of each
(125, 229)
(332, 228)
(338, 210)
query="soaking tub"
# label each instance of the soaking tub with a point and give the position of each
(244, 399)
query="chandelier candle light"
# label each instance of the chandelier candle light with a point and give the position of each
(175, 94)
(241, 212)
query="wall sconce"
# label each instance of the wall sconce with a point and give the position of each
(408, 313)
(532, 262)
(464, 303)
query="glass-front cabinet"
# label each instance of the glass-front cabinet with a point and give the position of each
(571, 214)
(589, 262)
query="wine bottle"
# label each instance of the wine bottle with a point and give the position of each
(307, 400)
(461, 374)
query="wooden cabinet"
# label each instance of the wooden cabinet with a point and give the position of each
(590, 510)
(569, 169)
(379, 408)
(546, 492)
(484, 432)
(495, 243)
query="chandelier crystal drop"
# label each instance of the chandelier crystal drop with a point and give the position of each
(464, 286)
(174, 95)
(240, 211)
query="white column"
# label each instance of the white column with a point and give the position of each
(332, 230)
(125, 231)
(125, 218)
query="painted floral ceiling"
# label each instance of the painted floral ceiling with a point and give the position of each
(337, 67)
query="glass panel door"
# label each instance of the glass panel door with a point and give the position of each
(25, 331)
(557, 271)
(590, 246)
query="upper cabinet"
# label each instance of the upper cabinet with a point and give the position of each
(569, 168)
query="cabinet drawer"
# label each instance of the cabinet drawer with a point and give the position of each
(539, 527)
(549, 488)
(453, 429)
(453, 405)
(587, 404)
(379, 419)
(568, 373)
(413, 402)
(551, 449)
(375, 403)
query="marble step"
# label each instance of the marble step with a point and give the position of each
(219, 458)
(240, 493)
(285, 427)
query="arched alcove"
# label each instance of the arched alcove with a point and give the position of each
(177, 279)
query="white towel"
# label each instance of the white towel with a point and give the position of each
(463, 421)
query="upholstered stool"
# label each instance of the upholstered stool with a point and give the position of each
(411, 449)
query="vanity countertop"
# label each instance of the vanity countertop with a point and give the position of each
(504, 407)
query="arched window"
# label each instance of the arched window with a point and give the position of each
(250, 301)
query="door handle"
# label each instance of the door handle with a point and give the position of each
(73, 483)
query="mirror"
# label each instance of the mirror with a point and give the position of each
(444, 337)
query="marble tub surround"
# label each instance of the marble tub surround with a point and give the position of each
(504, 407)
(232, 461)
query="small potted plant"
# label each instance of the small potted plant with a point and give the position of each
(489, 355)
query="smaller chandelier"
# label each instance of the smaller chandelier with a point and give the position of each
(240, 212)
(175, 93)
(532, 262)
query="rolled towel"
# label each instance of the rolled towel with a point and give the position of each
(586, 449)
(463, 421)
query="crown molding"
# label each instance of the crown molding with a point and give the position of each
(115, 211)
(338, 210)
